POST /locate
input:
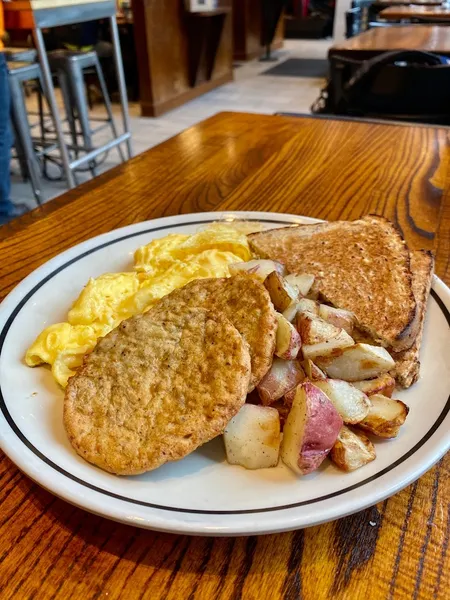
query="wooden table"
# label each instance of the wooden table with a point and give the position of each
(396, 13)
(431, 38)
(316, 167)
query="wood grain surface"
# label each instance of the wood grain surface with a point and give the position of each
(430, 38)
(378, 3)
(395, 13)
(321, 168)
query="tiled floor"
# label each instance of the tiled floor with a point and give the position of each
(249, 92)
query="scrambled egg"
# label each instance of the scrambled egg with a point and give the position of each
(159, 267)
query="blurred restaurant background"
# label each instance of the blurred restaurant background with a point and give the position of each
(92, 83)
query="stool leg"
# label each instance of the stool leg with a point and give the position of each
(78, 91)
(20, 152)
(22, 130)
(107, 102)
(120, 79)
(40, 93)
(51, 98)
(67, 99)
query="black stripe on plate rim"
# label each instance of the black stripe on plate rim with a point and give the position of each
(95, 488)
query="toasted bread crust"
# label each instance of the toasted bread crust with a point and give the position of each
(155, 388)
(364, 266)
(407, 368)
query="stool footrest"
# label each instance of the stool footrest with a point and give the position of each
(91, 155)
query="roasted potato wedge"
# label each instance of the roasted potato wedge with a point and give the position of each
(385, 416)
(352, 450)
(314, 330)
(314, 292)
(354, 363)
(327, 349)
(257, 268)
(344, 319)
(312, 371)
(282, 377)
(302, 305)
(283, 410)
(310, 431)
(384, 385)
(252, 437)
(288, 341)
(302, 283)
(281, 293)
(289, 396)
(352, 404)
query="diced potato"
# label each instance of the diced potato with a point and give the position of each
(357, 362)
(282, 377)
(309, 306)
(327, 350)
(352, 404)
(314, 292)
(352, 450)
(384, 385)
(314, 330)
(303, 305)
(289, 396)
(310, 431)
(302, 282)
(291, 312)
(312, 371)
(252, 437)
(281, 293)
(288, 341)
(385, 416)
(283, 411)
(257, 268)
(344, 319)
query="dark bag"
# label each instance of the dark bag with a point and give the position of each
(407, 85)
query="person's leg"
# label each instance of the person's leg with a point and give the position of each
(5, 140)
(8, 210)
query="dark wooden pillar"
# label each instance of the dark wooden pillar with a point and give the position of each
(247, 30)
(180, 55)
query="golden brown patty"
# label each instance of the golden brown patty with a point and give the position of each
(155, 388)
(246, 303)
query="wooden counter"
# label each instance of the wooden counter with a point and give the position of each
(180, 55)
(379, 3)
(247, 30)
(397, 13)
(429, 38)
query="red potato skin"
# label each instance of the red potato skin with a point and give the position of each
(289, 396)
(272, 388)
(322, 427)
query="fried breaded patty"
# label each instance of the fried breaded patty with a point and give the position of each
(155, 388)
(246, 303)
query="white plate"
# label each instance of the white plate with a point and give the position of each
(201, 494)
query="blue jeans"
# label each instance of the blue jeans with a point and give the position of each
(6, 206)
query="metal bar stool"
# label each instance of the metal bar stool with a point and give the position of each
(18, 74)
(20, 54)
(70, 67)
(65, 15)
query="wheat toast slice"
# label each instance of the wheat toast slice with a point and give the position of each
(363, 266)
(407, 363)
